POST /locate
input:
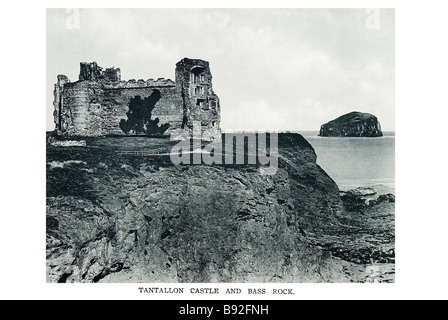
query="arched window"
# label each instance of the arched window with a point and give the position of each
(198, 91)
(197, 76)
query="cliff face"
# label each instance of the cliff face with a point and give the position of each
(115, 218)
(120, 219)
(354, 124)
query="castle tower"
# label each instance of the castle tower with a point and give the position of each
(194, 84)
(91, 71)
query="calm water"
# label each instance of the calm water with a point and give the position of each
(355, 162)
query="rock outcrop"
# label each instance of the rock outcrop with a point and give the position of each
(115, 218)
(354, 124)
(375, 242)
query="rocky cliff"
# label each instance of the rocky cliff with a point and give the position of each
(354, 124)
(114, 218)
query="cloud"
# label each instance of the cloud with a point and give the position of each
(254, 115)
(273, 68)
(220, 19)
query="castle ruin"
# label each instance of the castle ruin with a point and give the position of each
(101, 104)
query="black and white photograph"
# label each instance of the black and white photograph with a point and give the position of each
(221, 159)
(220, 146)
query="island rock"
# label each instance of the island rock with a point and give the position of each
(354, 124)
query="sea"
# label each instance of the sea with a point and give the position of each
(357, 162)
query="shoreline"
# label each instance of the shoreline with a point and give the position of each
(380, 188)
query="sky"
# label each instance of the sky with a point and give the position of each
(273, 69)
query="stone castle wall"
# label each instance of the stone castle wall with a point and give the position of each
(95, 105)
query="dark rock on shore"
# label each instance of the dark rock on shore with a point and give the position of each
(365, 236)
(353, 202)
(354, 124)
(386, 198)
(367, 230)
(361, 198)
(362, 192)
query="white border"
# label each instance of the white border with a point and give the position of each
(421, 99)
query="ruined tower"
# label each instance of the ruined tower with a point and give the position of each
(100, 102)
(194, 84)
(91, 71)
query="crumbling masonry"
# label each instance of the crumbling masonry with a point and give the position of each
(100, 104)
